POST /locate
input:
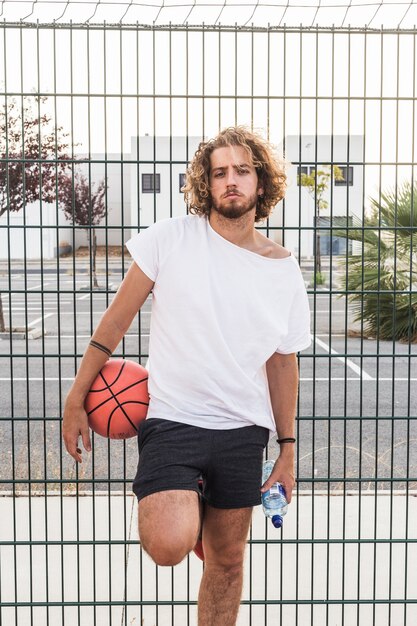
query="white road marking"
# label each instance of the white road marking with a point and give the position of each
(315, 312)
(89, 336)
(39, 319)
(34, 379)
(55, 309)
(343, 359)
(369, 378)
(334, 335)
(32, 308)
(46, 300)
(302, 379)
(38, 286)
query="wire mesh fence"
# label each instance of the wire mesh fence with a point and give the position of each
(326, 13)
(125, 107)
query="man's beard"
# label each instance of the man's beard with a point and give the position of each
(236, 208)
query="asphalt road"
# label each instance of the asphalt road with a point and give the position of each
(357, 412)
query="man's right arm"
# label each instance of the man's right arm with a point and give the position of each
(112, 327)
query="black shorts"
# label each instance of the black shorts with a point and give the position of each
(175, 456)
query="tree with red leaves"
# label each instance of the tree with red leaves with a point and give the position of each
(33, 153)
(84, 206)
(33, 156)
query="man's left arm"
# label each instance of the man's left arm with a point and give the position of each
(282, 373)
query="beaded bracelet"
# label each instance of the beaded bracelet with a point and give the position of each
(286, 440)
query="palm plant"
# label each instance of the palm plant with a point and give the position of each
(381, 281)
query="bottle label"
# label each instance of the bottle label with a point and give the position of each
(275, 490)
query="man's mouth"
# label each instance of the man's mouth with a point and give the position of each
(232, 194)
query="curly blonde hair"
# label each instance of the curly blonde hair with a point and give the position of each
(270, 171)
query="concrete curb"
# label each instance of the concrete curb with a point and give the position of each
(22, 332)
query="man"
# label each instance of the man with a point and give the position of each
(229, 314)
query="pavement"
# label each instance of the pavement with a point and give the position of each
(72, 552)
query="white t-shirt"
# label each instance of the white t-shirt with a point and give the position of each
(219, 312)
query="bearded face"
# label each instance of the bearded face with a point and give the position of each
(234, 184)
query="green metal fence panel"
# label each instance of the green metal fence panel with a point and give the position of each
(125, 107)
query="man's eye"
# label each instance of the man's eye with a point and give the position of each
(243, 171)
(218, 174)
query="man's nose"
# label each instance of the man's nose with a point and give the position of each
(231, 178)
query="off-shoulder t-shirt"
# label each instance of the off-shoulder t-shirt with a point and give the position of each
(219, 312)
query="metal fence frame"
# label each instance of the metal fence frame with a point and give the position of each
(333, 479)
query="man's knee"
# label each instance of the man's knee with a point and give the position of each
(166, 551)
(168, 525)
(228, 558)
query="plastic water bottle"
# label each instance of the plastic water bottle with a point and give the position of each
(274, 501)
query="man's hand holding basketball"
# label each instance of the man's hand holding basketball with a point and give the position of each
(75, 424)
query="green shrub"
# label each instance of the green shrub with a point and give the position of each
(381, 280)
(320, 278)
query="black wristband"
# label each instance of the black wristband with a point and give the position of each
(286, 440)
(96, 344)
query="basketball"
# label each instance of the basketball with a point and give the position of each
(118, 399)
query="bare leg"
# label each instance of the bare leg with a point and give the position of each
(225, 533)
(169, 523)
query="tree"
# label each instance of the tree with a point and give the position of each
(2, 324)
(33, 157)
(316, 183)
(382, 280)
(85, 207)
(33, 154)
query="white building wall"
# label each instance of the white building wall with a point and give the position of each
(30, 233)
(129, 208)
(167, 156)
(296, 214)
(36, 230)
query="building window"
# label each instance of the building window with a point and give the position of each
(307, 170)
(302, 169)
(330, 242)
(347, 173)
(151, 183)
(182, 182)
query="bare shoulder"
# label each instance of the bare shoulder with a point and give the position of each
(270, 249)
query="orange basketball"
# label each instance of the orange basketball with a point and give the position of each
(118, 399)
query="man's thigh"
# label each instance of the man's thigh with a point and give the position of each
(225, 533)
(169, 520)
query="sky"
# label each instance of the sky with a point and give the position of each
(107, 85)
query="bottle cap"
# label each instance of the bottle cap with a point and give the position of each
(277, 521)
